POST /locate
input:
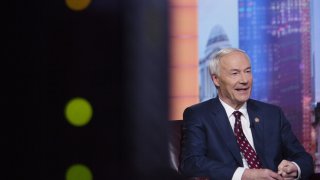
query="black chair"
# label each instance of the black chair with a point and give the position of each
(175, 128)
(175, 136)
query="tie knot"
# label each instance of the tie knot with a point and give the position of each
(237, 114)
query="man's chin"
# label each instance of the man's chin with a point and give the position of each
(243, 95)
(243, 99)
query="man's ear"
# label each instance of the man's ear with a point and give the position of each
(215, 80)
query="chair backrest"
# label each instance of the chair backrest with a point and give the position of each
(175, 135)
(175, 138)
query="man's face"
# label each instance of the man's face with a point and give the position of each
(235, 79)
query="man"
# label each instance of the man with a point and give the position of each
(234, 137)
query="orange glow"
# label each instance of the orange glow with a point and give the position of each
(184, 52)
(184, 90)
(179, 104)
(184, 83)
(183, 2)
(184, 21)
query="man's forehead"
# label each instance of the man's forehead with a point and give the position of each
(235, 60)
(234, 55)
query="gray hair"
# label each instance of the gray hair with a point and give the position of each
(214, 61)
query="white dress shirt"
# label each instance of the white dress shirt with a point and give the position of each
(245, 123)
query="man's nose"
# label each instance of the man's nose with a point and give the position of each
(243, 78)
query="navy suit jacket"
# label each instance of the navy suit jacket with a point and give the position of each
(209, 147)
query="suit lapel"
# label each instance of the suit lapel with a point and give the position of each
(257, 129)
(220, 119)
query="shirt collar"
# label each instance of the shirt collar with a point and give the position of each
(230, 110)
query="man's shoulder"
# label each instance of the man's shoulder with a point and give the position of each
(263, 105)
(202, 109)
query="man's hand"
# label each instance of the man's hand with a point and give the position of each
(256, 174)
(287, 170)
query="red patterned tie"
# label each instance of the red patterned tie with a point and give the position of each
(246, 149)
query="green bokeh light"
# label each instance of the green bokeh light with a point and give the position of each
(78, 111)
(78, 172)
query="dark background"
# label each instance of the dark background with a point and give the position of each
(115, 55)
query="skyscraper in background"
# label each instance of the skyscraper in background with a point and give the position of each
(276, 35)
(254, 40)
